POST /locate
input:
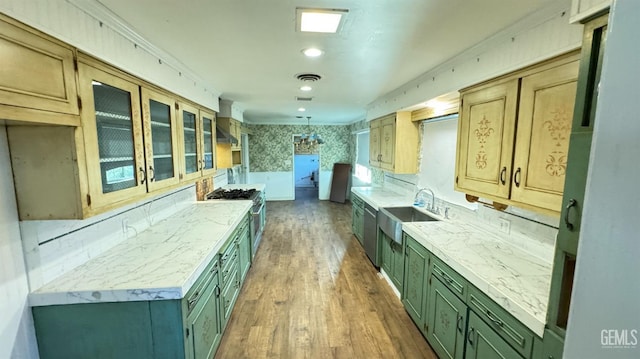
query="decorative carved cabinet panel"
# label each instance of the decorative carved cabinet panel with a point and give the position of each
(374, 143)
(544, 125)
(485, 138)
(387, 143)
(513, 136)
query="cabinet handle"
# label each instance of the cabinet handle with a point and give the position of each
(459, 325)
(470, 336)
(153, 174)
(516, 177)
(193, 301)
(572, 203)
(446, 278)
(144, 175)
(503, 175)
(493, 318)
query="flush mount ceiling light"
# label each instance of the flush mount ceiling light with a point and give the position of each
(320, 20)
(305, 88)
(312, 52)
(302, 109)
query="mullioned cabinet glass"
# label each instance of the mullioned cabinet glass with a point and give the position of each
(161, 139)
(112, 128)
(447, 321)
(416, 288)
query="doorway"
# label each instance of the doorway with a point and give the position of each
(306, 172)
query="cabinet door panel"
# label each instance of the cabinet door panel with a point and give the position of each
(161, 139)
(397, 269)
(208, 142)
(484, 343)
(486, 134)
(447, 321)
(36, 73)
(374, 143)
(415, 282)
(387, 143)
(204, 323)
(544, 125)
(387, 255)
(112, 129)
(191, 150)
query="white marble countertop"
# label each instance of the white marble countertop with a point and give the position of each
(513, 278)
(383, 197)
(162, 262)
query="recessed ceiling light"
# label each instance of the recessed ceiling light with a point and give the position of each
(312, 52)
(320, 20)
(305, 88)
(302, 109)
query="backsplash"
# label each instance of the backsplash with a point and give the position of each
(53, 248)
(271, 146)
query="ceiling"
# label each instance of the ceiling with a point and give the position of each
(250, 51)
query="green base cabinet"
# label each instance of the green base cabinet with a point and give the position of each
(204, 329)
(447, 321)
(357, 217)
(484, 343)
(189, 328)
(392, 260)
(415, 288)
(244, 249)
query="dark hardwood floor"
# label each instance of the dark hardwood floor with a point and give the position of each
(312, 293)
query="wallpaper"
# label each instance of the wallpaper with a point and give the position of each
(271, 146)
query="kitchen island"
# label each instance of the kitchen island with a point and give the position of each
(165, 293)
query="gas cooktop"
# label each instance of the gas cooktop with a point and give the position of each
(232, 194)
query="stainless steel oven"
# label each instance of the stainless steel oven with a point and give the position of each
(259, 217)
(258, 210)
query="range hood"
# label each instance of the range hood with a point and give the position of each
(223, 136)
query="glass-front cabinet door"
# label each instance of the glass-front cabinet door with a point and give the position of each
(112, 130)
(208, 138)
(191, 150)
(160, 137)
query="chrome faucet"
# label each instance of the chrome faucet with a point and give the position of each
(432, 208)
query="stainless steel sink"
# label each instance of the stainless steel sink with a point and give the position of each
(390, 220)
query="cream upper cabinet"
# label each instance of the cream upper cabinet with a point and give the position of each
(585, 10)
(513, 136)
(197, 129)
(191, 147)
(130, 144)
(393, 143)
(208, 141)
(37, 77)
(160, 139)
(485, 139)
(374, 143)
(112, 128)
(544, 125)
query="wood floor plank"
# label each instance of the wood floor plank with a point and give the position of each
(312, 293)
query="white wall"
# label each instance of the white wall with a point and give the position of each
(279, 185)
(606, 290)
(17, 336)
(537, 37)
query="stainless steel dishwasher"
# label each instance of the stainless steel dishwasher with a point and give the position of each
(371, 233)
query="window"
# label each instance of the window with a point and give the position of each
(363, 172)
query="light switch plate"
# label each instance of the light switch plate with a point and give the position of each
(505, 225)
